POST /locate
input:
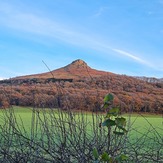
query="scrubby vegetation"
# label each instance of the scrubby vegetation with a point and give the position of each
(130, 95)
(77, 86)
(52, 135)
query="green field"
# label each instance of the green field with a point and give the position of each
(137, 123)
(49, 128)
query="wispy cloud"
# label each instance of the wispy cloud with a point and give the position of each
(134, 57)
(138, 59)
(42, 26)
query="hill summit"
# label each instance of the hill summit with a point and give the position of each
(79, 63)
(78, 69)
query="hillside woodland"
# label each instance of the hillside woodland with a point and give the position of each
(77, 86)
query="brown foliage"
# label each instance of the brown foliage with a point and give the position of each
(77, 86)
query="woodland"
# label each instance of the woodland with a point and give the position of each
(131, 95)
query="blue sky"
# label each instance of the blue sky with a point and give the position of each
(119, 36)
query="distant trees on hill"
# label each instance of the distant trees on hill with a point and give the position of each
(87, 94)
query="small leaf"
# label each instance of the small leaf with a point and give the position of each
(108, 123)
(122, 128)
(95, 154)
(113, 112)
(120, 122)
(105, 157)
(106, 105)
(108, 97)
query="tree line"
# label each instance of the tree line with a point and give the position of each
(130, 94)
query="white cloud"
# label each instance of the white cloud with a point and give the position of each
(1, 78)
(37, 25)
(138, 59)
(134, 57)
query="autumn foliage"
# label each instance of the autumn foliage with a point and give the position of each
(81, 92)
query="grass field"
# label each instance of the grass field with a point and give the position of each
(139, 124)
(143, 141)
